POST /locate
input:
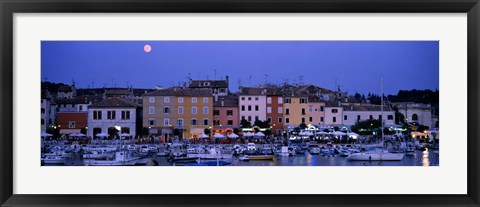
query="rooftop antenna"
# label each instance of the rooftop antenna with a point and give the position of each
(207, 77)
(266, 79)
(239, 82)
(215, 74)
(300, 80)
(250, 80)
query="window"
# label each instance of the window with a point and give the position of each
(390, 117)
(256, 118)
(194, 110)
(243, 98)
(371, 117)
(166, 110)
(243, 107)
(269, 100)
(269, 119)
(43, 111)
(166, 121)
(151, 109)
(334, 111)
(249, 118)
(345, 117)
(229, 122)
(179, 122)
(287, 120)
(205, 110)
(151, 99)
(379, 117)
(414, 117)
(151, 122)
(229, 112)
(249, 98)
(194, 122)
(216, 122)
(358, 117)
(97, 115)
(125, 115)
(303, 120)
(321, 119)
(303, 100)
(180, 99)
(80, 107)
(269, 109)
(334, 119)
(288, 100)
(310, 119)
(256, 98)
(249, 107)
(205, 122)
(287, 111)
(43, 121)
(243, 118)
(166, 99)
(321, 108)
(280, 120)
(256, 107)
(280, 100)
(71, 124)
(303, 111)
(205, 100)
(280, 110)
(216, 112)
(111, 115)
(180, 110)
(194, 100)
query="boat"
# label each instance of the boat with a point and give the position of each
(120, 158)
(98, 155)
(251, 149)
(244, 158)
(260, 157)
(315, 151)
(53, 159)
(379, 155)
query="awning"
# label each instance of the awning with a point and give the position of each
(196, 130)
(166, 131)
(69, 131)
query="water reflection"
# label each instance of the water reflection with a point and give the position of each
(425, 158)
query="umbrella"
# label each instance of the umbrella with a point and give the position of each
(259, 134)
(102, 135)
(229, 129)
(125, 135)
(248, 134)
(217, 135)
(77, 135)
(338, 133)
(322, 132)
(203, 135)
(352, 135)
(44, 134)
(232, 135)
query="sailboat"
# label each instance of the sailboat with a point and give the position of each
(380, 154)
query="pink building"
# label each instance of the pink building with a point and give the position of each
(225, 114)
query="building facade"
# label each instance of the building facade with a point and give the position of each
(416, 112)
(109, 114)
(225, 114)
(361, 112)
(295, 110)
(252, 105)
(275, 112)
(316, 113)
(333, 114)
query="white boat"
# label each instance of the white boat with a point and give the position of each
(315, 151)
(376, 156)
(244, 158)
(120, 158)
(251, 149)
(98, 155)
(53, 159)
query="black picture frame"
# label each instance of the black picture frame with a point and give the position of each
(9, 7)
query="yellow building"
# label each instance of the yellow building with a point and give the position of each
(295, 112)
(178, 112)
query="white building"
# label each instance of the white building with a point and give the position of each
(361, 112)
(72, 105)
(111, 113)
(333, 114)
(252, 104)
(416, 112)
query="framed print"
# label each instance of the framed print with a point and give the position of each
(246, 103)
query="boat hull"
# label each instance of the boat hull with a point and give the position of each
(375, 157)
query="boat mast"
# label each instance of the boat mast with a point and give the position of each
(381, 120)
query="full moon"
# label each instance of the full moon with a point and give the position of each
(147, 48)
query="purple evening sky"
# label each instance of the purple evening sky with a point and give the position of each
(356, 65)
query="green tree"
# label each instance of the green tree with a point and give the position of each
(207, 131)
(302, 126)
(245, 124)
(113, 132)
(366, 126)
(262, 124)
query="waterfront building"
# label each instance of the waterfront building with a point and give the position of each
(72, 105)
(225, 113)
(295, 107)
(112, 113)
(417, 112)
(252, 104)
(315, 112)
(182, 112)
(47, 111)
(275, 110)
(72, 115)
(218, 87)
(352, 113)
(66, 91)
(333, 113)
